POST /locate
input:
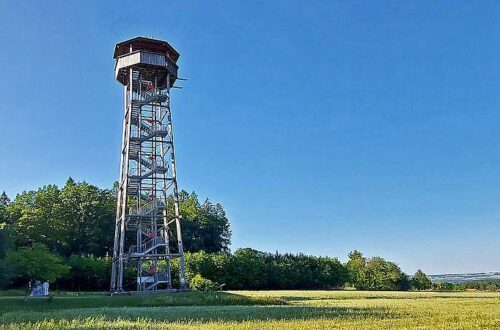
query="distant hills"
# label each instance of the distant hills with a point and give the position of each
(464, 278)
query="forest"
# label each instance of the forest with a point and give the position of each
(65, 235)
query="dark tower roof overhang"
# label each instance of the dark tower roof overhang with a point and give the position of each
(146, 44)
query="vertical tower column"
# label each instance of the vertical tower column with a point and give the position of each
(176, 198)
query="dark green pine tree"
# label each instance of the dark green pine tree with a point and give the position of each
(4, 200)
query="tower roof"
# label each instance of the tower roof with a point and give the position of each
(148, 44)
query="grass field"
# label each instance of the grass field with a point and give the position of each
(257, 310)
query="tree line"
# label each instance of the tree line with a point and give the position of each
(64, 235)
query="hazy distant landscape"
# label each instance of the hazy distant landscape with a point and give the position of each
(464, 278)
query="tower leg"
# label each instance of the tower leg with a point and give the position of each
(181, 255)
(116, 262)
(176, 206)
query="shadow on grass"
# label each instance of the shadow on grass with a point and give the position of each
(199, 314)
(402, 296)
(176, 307)
(195, 298)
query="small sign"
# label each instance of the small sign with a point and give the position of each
(40, 290)
(145, 279)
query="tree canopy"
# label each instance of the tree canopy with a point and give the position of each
(205, 227)
(35, 263)
(75, 219)
(375, 273)
(420, 281)
(79, 218)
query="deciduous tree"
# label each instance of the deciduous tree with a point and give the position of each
(420, 281)
(34, 263)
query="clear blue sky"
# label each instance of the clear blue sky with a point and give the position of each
(321, 127)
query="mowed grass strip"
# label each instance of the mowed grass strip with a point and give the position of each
(293, 310)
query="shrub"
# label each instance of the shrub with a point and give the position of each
(200, 283)
(87, 273)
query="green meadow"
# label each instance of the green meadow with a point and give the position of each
(255, 310)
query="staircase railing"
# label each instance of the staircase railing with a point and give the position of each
(153, 243)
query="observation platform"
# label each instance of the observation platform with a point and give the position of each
(155, 59)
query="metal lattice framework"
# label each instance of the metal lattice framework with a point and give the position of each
(147, 203)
